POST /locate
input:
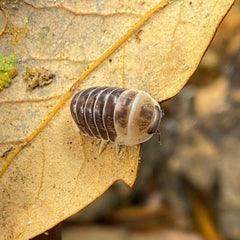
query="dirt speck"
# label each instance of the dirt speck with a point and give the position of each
(37, 77)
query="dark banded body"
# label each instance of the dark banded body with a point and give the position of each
(120, 115)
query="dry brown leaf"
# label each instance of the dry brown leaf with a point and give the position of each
(48, 170)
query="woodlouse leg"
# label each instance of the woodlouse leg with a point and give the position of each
(102, 146)
(75, 127)
(119, 150)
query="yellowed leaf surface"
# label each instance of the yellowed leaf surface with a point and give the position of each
(48, 170)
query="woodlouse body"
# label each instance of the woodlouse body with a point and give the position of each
(120, 115)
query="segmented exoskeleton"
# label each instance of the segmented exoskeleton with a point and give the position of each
(120, 115)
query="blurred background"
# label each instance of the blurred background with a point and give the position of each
(188, 185)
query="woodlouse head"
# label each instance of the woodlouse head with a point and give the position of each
(143, 119)
(156, 122)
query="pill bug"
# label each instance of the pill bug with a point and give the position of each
(120, 115)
